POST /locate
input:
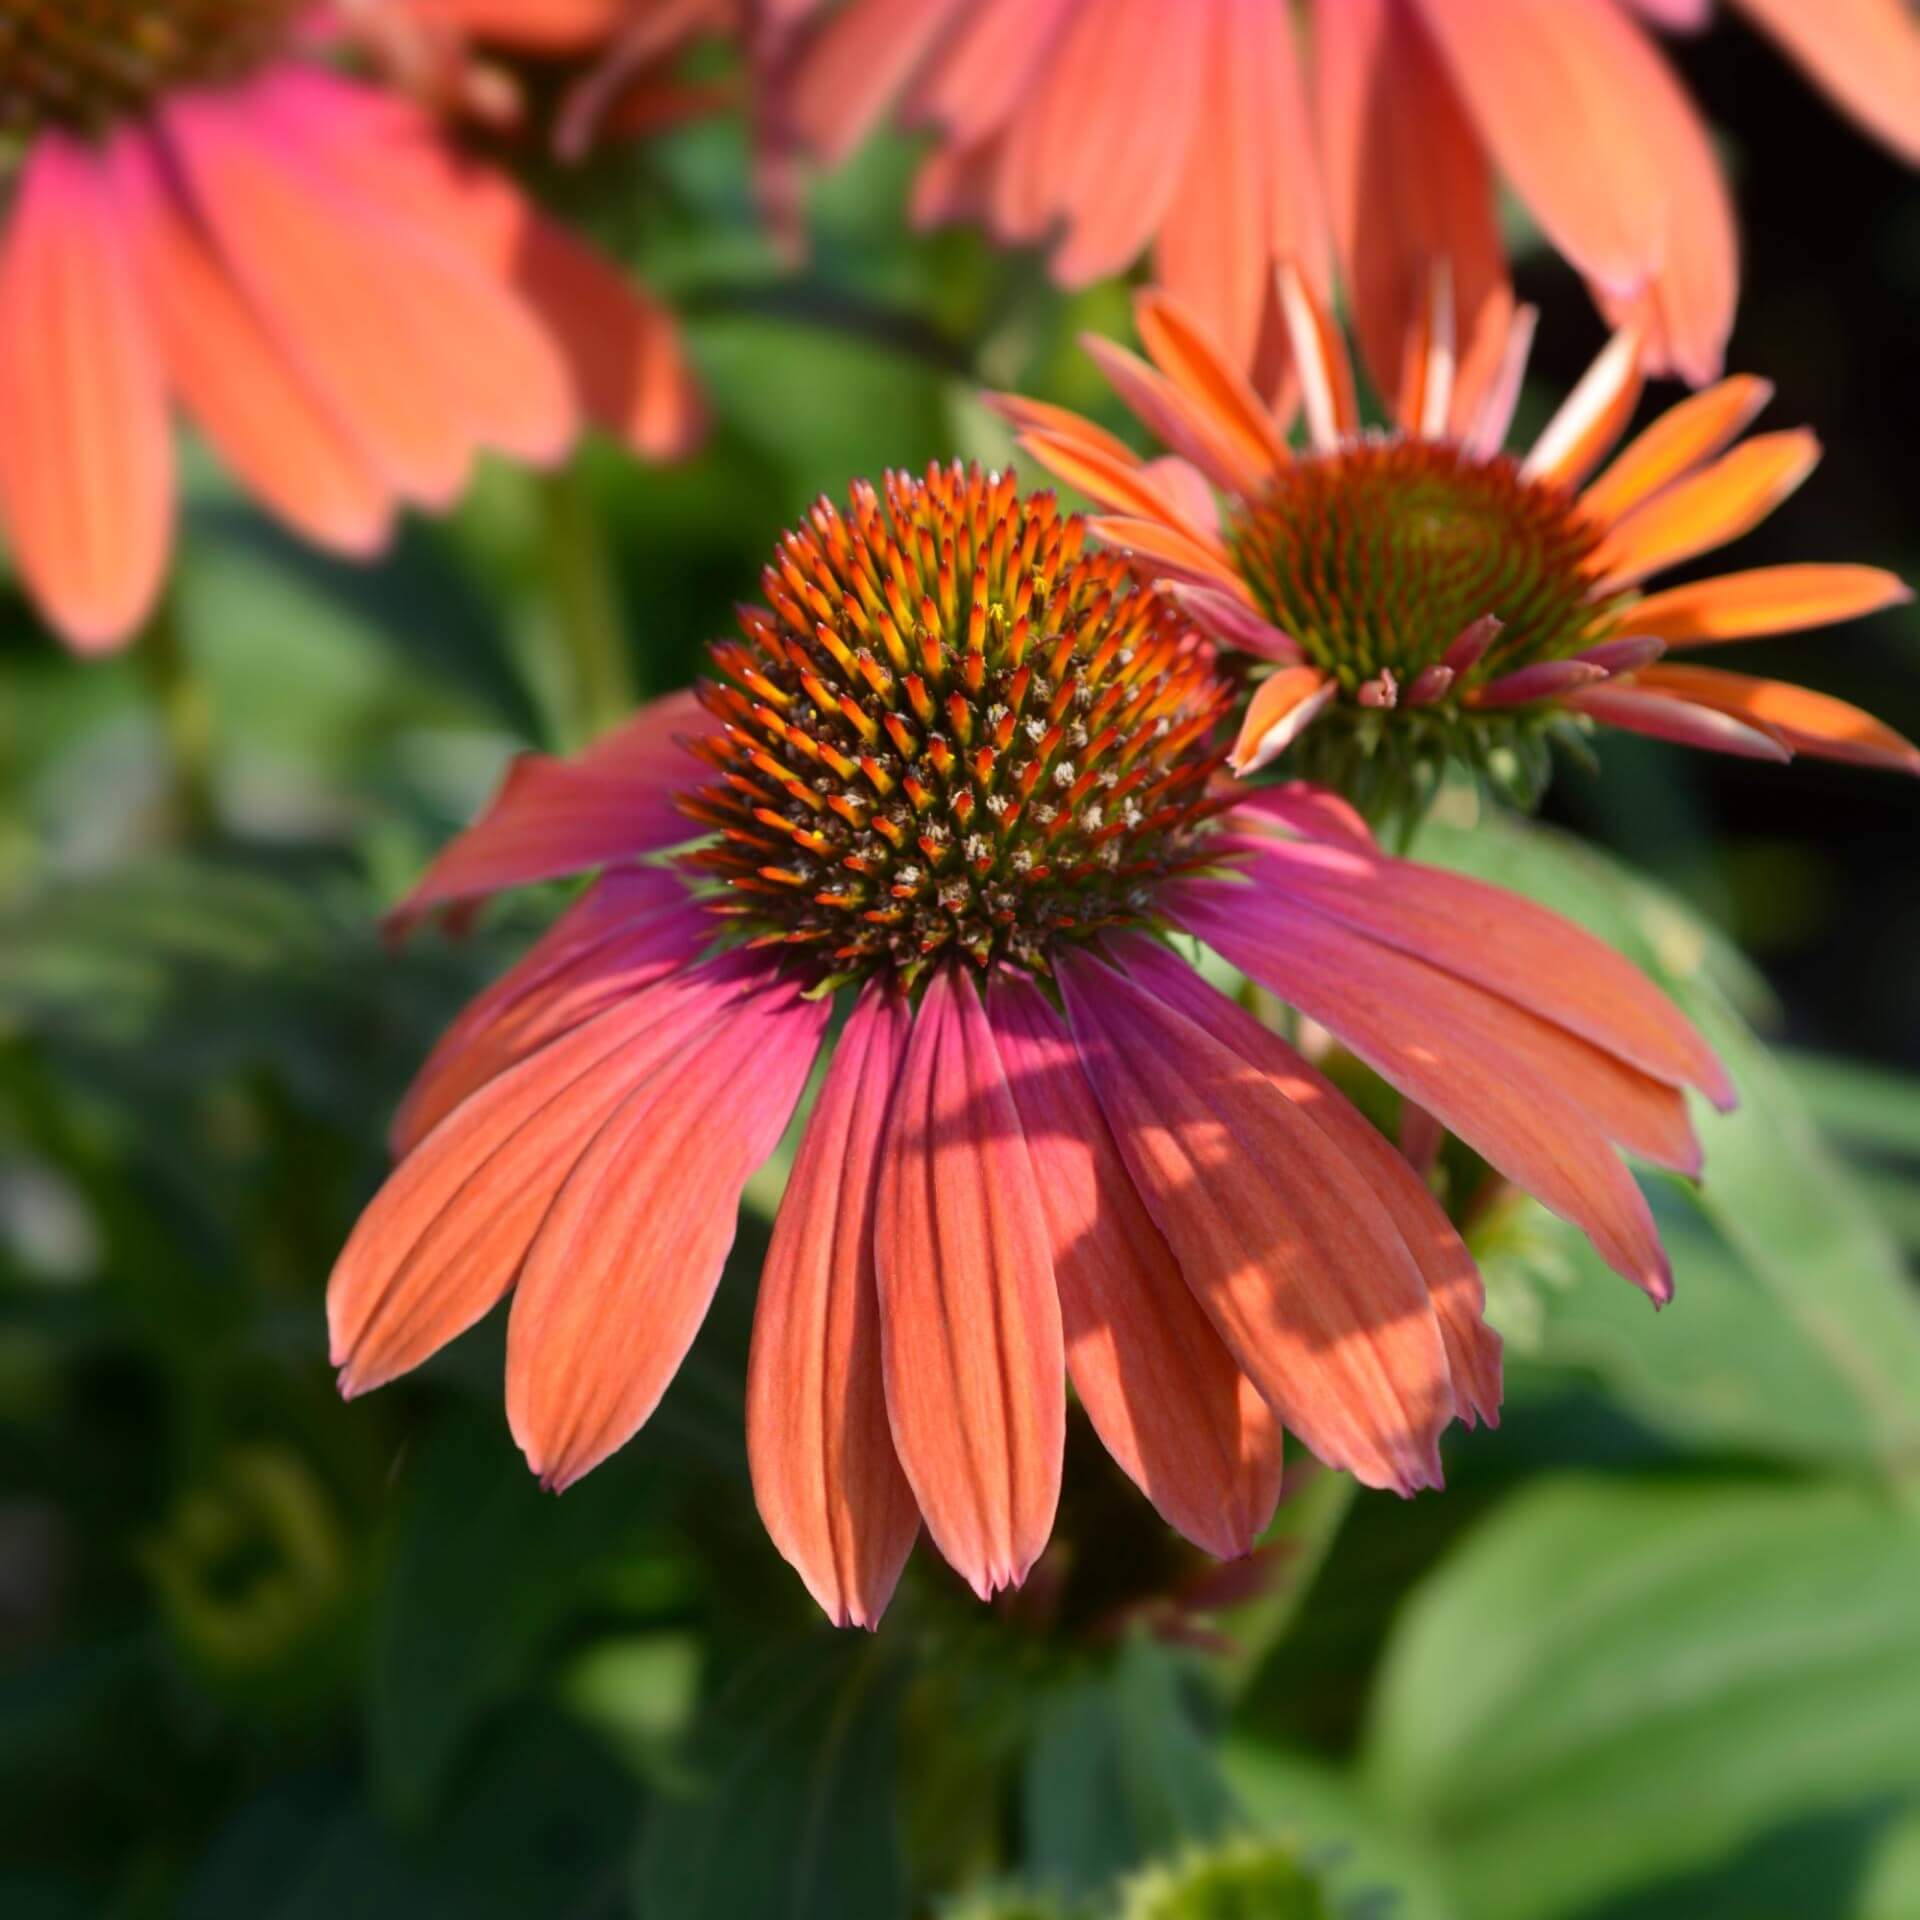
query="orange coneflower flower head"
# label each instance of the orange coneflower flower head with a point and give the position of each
(197, 206)
(1425, 597)
(965, 773)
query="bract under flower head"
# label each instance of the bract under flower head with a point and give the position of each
(80, 65)
(953, 730)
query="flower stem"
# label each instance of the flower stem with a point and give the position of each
(585, 609)
(186, 722)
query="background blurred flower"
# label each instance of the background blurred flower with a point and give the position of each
(959, 759)
(204, 213)
(1423, 596)
(1102, 127)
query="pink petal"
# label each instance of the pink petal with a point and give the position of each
(633, 927)
(970, 1320)
(1231, 622)
(552, 817)
(1517, 1118)
(86, 453)
(1473, 1348)
(861, 60)
(1305, 811)
(1282, 1242)
(1864, 54)
(1661, 717)
(1172, 417)
(1543, 680)
(1185, 1424)
(446, 1235)
(624, 1266)
(825, 1475)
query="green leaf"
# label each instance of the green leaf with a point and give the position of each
(1781, 1200)
(485, 1569)
(1860, 1106)
(794, 1815)
(1610, 1682)
(1119, 1772)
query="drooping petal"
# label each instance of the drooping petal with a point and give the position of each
(623, 1268)
(1659, 716)
(1459, 1299)
(1282, 1242)
(858, 64)
(1804, 720)
(1764, 600)
(825, 1475)
(634, 926)
(86, 453)
(1231, 622)
(1408, 185)
(1865, 54)
(1185, 1424)
(1709, 508)
(552, 817)
(984, 68)
(1514, 1117)
(350, 310)
(1505, 943)
(446, 1235)
(970, 1320)
(231, 375)
(1249, 193)
(1283, 707)
(1679, 441)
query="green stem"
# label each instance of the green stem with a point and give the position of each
(586, 610)
(186, 722)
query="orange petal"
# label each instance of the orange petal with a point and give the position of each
(1806, 721)
(633, 927)
(1865, 54)
(554, 817)
(622, 1271)
(1708, 508)
(232, 376)
(1184, 1423)
(1182, 348)
(446, 1236)
(1503, 942)
(86, 453)
(1061, 422)
(1320, 360)
(825, 1476)
(1592, 417)
(1519, 1120)
(1742, 606)
(1283, 1243)
(1459, 1300)
(1173, 419)
(1283, 707)
(1250, 191)
(1130, 488)
(1408, 184)
(970, 1321)
(984, 68)
(861, 59)
(1170, 549)
(1675, 444)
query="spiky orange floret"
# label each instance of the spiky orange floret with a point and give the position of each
(952, 729)
(81, 64)
(1378, 556)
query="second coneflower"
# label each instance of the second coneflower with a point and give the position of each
(964, 775)
(1424, 596)
(198, 210)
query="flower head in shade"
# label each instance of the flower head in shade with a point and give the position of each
(1424, 596)
(965, 774)
(1103, 127)
(197, 210)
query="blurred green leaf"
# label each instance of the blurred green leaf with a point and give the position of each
(1780, 1199)
(1859, 1105)
(485, 1568)
(1119, 1772)
(538, 1819)
(794, 1816)
(1610, 1682)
